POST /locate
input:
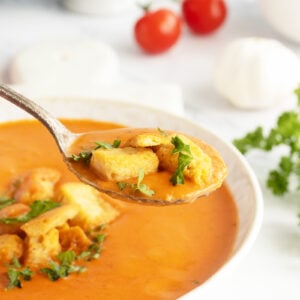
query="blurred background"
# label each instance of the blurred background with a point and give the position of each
(87, 49)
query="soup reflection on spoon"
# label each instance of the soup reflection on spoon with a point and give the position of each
(138, 164)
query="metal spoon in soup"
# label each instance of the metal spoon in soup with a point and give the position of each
(138, 164)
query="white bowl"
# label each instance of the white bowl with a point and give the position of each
(241, 180)
(283, 16)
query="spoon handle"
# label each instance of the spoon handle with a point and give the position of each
(57, 129)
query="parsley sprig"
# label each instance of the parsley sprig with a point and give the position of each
(94, 250)
(85, 156)
(37, 208)
(184, 159)
(16, 274)
(67, 259)
(64, 267)
(285, 132)
(104, 145)
(139, 186)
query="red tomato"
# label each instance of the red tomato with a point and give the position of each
(204, 16)
(157, 31)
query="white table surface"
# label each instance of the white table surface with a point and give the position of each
(272, 268)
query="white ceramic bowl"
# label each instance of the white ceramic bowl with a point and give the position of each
(241, 180)
(283, 16)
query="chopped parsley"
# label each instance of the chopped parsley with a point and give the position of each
(139, 186)
(285, 132)
(16, 274)
(85, 156)
(122, 185)
(37, 208)
(94, 250)
(184, 159)
(64, 267)
(104, 145)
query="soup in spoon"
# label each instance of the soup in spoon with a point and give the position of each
(152, 166)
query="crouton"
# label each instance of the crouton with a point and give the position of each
(11, 246)
(36, 184)
(39, 250)
(119, 164)
(148, 139)
(12, 211)
(93, 210)
(199, 170)
(56, 217)
(74, 238)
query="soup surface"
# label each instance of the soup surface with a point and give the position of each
(150, 252)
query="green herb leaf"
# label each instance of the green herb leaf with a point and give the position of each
(139, 186)
(15, 263)
(84, 156)
(122, 185)
(105, 145)
(26, 274)
(4, 202)
(37, 208)
(53, 271)
(94, 250)
(14, 278)
(285, 132)
(251, 140)
(64, 268)
(66, 258)
(180, 146)
(184, 159)
(144, 189)
(15, 274)
(116, 143)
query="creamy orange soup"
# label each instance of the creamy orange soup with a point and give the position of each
(150, 252)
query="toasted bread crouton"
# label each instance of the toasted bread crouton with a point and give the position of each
(199, 170)
(11, 246)
(74, 238)
(56, 217)
(39, 250)
(93, 210)
(148, 139)
(36, 184)
(12, 211)
(119, 164)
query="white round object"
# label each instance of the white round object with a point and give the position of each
(74, 62)
(283, 16)
(256, 73)
(101, 7)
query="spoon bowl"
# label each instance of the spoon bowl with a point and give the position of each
(66, 139)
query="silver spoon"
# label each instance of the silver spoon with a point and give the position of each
(65, 138)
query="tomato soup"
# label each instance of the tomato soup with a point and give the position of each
(150, 252)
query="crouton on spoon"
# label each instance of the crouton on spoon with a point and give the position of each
(142, 165)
